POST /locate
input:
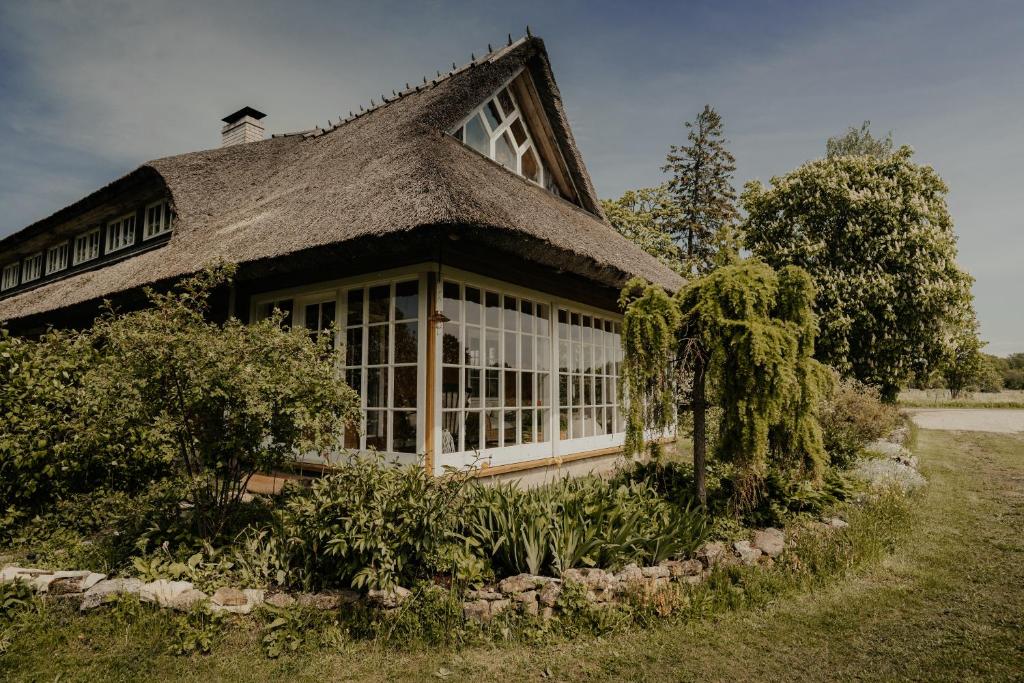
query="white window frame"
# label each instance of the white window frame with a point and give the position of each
(123, 228)
(91, 251)
(11, 275)
(164, 225)
(32, 268)
(57, 258)
(459, 132)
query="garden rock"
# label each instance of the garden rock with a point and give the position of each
(483, 595)
(327, 601)
(499, 606)
(162, 591)
(389, 599)
(282, 600)
(104, 590)
(770, 541)
(13, 573)
(187, 600)
(520, 583)
(477, 610)
(893, 451)
(528, 600)
(748, 555)
(229, 597)
(595, 579)
(549, 594)
(836, 523)
(655, 572)
(631, 573)
(712, 554)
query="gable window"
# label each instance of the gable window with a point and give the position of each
(32, 268)
(158, 220)
(57, 258)
(497, 130)
(10, 277)
(87, 246)
(121, 233)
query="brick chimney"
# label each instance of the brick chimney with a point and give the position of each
(241, 127)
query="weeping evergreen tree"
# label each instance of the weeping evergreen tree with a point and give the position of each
(747, 333)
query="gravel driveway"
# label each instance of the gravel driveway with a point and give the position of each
(1005, 421)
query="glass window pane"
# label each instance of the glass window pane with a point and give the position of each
(526, 389)
(493, 303)
(352, 438)
(526, 354)
(510, 388)
(451, 347)
(354, 346)
(542, 315)
(526, 316)
(543, 353)
(511, 355)
(563, 356)
(505, 153)
(407, 300)
(577, 423)
(378, 345)
(472, 354)
(472, 431)
(477, 136)
(354, 378)
(472, 305)
(563, 423)
(492, 388)
(327, 315)
(450, 388)
(380, 300)
(377, 429)
(563, 390)
(451, 431)
(526, 426)
(458, 135)
(450, 301)
(405, 387)
(312, 321)
(543, 389)
(510, 427)
(406, 336)
(493, 115)
(492, 350)
(542, 425)
(511, 317)
(518, 131)
(492, 429)
(377, 388)
(404, 435)
(473, 396)
(355, 307)
(531, 167)
(506, 102)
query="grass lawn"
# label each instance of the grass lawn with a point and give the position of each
(949, 605)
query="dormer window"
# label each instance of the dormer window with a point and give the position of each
(498, 131)
(32, 268)
(57, 258)
(10, 277)
(158, 220)
(87, 246)
(121, 233)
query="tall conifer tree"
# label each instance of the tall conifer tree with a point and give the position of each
(701, 184)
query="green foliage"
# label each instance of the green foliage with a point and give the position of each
(964, 364)
(647, 217)
(14, 596)
(369, 524)
(852, 416)
(578, 522)
(859, 142)
(197, 632)
(875, 235)
(161, 390)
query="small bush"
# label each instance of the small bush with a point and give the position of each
(852, 417)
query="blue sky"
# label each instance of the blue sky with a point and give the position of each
(89, 90)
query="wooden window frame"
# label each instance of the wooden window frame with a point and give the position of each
(86, 238)
(32, 268)
(118, 225)
(165, 220)
(63, 261)
(12, 271)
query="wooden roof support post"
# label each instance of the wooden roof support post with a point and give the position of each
(430, 414)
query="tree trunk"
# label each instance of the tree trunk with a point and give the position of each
(700, 437)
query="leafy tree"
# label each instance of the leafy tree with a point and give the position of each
(877, 238)
(701, 185)
(747, 332)
(964, 365)
(859, 142)
(646, 217)
(164, 390)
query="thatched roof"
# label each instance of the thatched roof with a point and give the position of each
(386, 171)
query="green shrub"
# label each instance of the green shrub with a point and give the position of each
(578, 522)
(369, 524)
(852, 417)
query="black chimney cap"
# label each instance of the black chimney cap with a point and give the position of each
(244, 111)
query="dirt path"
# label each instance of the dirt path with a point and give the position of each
(997, 420)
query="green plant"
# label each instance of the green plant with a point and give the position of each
(852, 416)
(370, 524)
(14, 596)
(197, 632)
